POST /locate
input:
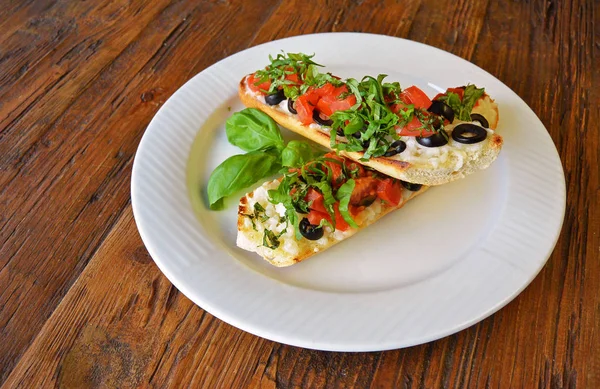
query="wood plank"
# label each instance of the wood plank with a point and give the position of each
(79, 167)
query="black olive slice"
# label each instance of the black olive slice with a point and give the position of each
(317, 117)
(275, 98)
(291, 106)
(440, 108)
(410, 186)
(395, 148)
(468, 133)
(340, 132)
(436, 140)
(481, 119)
(310, 231)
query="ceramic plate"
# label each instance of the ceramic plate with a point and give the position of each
(447, 260)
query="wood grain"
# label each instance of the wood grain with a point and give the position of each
(83, 305)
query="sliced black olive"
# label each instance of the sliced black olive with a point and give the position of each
(317, 117)
(436, 140)
(481, 119)
(365, 144)
(368, 200)
(395, 148)
(475, 133)
(440, 108)
(357, 134)
(291, 106)
(340, 132)
(275, 98)
(410, 186)
(310, 231)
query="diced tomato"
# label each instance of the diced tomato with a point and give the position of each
(316, 200)
(324, 90)
(293, 76)
(340, 223)
(332, 102)
(390, 190)
(414, 128)
(305, 109)
(337, 174)
(364, 188)
(258, 88)
(315, 217)
(414, 95)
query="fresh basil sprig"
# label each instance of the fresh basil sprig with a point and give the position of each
(238, 172)
(251, 130)
(255, 132)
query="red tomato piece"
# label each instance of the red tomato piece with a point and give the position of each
(315, 217)
(305, 109)
(337, 174)
(324, 90)
(390, 190)
(340, 223)
(364, 188)
(316, 200)
(333, 102)
(257, 87)
(414, 128)
(414, 95)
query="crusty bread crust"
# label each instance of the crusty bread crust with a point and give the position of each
(425, 175)
(251, 240)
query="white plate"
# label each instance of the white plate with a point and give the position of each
(450, 258)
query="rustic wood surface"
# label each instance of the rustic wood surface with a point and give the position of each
(83, 305)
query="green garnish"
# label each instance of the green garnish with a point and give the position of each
(270, 240)
(253, 131)
(462, 108)
(284, 65)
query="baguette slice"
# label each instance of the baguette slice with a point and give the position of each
(290, 250)
(417, 164)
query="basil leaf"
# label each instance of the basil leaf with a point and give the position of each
(270, 240)
(343, 195)
(471, 95)
(328, 199)
(251, 130)
(296, 154)
(239, 172)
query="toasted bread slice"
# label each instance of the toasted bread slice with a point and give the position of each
(417, 164)
(290, 251)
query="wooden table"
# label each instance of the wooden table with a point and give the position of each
(83, 305)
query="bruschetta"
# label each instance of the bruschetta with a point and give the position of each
(399, 132)
(312, 208)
